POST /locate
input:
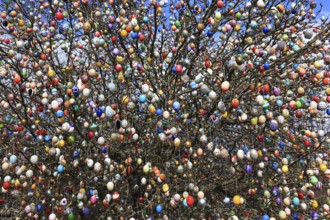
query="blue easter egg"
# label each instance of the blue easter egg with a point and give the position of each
(193, 85)
(265, 30)
(209, 34)
(296, 201)
(142, 98)
(134, 35)
(159, 111)
(59, 114)
(328, 111)
(159, 208)
(176, 106)
(60, 168)
(99, 112)
(265, 217)
(266, 66)
(76, 153)
(39, 208)
(47, 138)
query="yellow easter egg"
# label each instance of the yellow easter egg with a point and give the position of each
(285, 169)
(237, 200)
(165, 188)
(323, 167)
(123, 33)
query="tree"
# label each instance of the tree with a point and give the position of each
(164, 109)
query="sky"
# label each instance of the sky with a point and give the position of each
(326, 7)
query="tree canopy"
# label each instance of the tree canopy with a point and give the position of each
(165, 109)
